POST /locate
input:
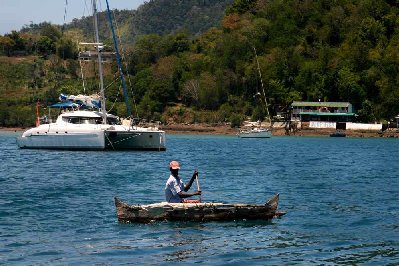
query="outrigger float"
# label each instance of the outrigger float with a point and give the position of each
(197, 212)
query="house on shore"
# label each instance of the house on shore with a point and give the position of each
(322, 111)
(330, 115)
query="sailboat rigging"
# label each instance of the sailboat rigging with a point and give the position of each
(92, 129)
(118, 59)
(258, 132)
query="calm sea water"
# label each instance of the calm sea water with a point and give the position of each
(341, 195)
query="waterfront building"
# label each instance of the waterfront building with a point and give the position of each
(322, 111)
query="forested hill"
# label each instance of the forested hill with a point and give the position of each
(165, 16)
(309, 50)
(339, 51)
(156, 16)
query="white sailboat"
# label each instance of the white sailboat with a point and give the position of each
(92, 130)
(258, 132)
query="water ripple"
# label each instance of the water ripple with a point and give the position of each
(56, 207)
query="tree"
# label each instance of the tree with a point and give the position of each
(19, 42)
(235, 120)
(51, 32)
(175, 43)
(6, 44)
(146, 51)
(147, 107)
(366, 114)
(46, 46)
(349, 87)
(66, 48)
(208, 93)
(142, 82)
(241, 6)
(190, 91)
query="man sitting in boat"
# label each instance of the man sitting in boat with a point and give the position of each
(175, 190)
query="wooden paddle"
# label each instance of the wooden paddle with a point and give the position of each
(198, 187)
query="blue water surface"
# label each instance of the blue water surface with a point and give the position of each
(341, 195)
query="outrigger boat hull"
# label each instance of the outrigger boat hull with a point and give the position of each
(197, 212)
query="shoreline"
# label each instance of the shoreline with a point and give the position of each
(197, 129)
(227, 130)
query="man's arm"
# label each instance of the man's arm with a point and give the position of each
(184, 194)
(188, 185)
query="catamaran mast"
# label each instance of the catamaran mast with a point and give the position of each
(99, 47)
(118, 59)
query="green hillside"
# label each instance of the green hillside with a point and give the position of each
(345, 50)
(159, 17)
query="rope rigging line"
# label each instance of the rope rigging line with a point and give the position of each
(115, 79)
(263, 88)
(96, 74)
(81, 73)
(56, 71)
(125, 62)
(65, 16)
(85, 8)
(119, 90)
(116, 98)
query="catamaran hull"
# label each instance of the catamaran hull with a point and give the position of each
(63, 141)
(80, 130)
(101, 140)
(132, 140)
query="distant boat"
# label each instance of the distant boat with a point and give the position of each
(338, 134)
(197, 212)
(256, 133)
(93, 129)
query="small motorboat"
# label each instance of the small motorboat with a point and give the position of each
(197, 212)
(338, 134)
(256, 133)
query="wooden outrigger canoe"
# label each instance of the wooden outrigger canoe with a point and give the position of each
(198, 212)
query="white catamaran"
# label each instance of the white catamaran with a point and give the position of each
(92, 129)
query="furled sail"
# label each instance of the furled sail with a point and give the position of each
(88, 101)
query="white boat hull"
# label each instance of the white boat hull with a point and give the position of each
(67, 136)
(101, 140)
(63, 141)
(255, 134)
(135, 140)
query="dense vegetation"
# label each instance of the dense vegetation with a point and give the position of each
(344, 50)
(159, 17)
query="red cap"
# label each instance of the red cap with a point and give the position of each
(174, 165)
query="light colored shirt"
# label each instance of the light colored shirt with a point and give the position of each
(173, 187)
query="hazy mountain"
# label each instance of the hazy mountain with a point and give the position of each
(156, 16)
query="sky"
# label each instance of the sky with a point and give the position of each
(14, 14)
